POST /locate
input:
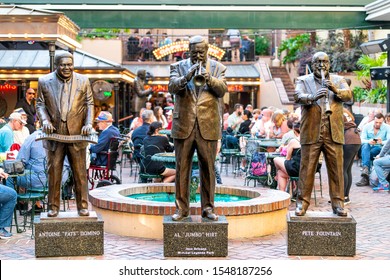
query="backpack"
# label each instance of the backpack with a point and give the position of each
(258, 165)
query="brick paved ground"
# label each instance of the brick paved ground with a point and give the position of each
(371, 211)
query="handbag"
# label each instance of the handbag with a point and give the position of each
(13, 167)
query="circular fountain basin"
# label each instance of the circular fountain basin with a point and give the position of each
(263, 214)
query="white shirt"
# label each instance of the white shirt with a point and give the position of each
(21, 135)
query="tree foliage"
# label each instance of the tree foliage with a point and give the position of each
(262, 44)
(342, 59)
(293, 46)
(105, 33)
(372, 92)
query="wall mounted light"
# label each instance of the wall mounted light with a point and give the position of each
(376, 46)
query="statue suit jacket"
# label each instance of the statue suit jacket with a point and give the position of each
(191, 106)
(311, 111)
(140, 94)
(81, 105)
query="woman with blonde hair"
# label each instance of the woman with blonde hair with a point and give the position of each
(280, 125)
(289, 166)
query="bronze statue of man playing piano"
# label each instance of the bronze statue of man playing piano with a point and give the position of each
(65, 106)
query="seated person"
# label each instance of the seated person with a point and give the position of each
(368, 118)
(155, 143)
(262, 127)
(244, 126)
(8, 197)
(33, 156)
(289, 166)
(382, 168)
(288, 135)
(229, 140)
(138, 135)
(244, 129)
(374, 135)
(160, 117)
(169, 119)
(21, 135)
(279, 127)
(7, 131)
(137, 122)
(108, 131)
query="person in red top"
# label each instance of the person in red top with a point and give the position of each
(169, 120)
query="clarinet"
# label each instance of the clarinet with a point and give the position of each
(328, 111)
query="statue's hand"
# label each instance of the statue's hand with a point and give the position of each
(47, 127)
(328, 84)
(191, 72)
(322, 92)
(86, 129)
(207, 77)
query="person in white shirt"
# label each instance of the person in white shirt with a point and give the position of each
(21, 135)
(235, 119)
(263, 126)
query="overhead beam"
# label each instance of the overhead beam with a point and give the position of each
(223, 19)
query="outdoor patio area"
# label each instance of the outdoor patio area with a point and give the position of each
(370, 210)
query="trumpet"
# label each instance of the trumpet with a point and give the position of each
(199, 79)
(328, 111)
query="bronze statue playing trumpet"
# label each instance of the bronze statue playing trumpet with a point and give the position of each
(199, 79)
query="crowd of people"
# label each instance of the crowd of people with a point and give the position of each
(366, 142)
(237, 46)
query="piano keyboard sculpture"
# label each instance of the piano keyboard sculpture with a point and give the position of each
(91, 138)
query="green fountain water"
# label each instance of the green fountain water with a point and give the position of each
(170, 197)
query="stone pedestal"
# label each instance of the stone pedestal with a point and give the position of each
(195, 237)
(321, 234)
(68, 235)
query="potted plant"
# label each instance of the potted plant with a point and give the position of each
(373, 92)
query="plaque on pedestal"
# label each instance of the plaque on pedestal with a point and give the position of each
(321, 234)
(195, 237)
(68, 234)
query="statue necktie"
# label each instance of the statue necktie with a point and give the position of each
(65, 101)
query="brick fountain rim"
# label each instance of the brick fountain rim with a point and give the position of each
(114, 198)
(116, 209)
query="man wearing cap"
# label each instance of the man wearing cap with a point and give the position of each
(27, 105)
(65, 106)
(21, 135)
(196, 124)
(15, 122)
(108, 131)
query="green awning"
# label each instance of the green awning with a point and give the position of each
(245, 14)
(222, 19)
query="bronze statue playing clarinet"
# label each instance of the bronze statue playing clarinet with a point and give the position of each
(321, 96)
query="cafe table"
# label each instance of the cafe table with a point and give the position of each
(260, 144)
(165, 132)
